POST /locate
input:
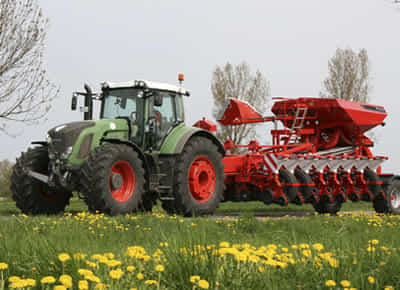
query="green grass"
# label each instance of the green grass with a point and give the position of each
(7, 207)
(264, 255)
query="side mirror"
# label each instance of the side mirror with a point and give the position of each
(74, 102)
(158, 100)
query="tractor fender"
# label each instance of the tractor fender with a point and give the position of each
(193, 133)
(133, 146)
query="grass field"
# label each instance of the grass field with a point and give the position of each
(157, 251)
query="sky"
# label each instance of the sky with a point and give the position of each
(290, 42)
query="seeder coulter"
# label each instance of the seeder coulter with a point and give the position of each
(320, 156)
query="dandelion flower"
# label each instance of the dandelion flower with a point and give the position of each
(3, 266)
(140, 276)
(83, 285)
(150, 282)
(30, 282)
(194, 278)
(159, 268)
(318, 247)
(66, 280)
(203, 284)
(48, 280)
(13, 279)
(130, 268)
(345, 283)
(116, 274)
(330, 283)
(371, 279)
(388, 288)
(63, 257)
(100, 286)
(60, 287)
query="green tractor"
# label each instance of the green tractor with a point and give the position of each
(138, 152)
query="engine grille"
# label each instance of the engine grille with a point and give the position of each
(64, 136)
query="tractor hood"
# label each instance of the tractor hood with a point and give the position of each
(74, 141)
(64, 136)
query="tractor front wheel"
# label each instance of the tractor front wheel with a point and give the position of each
(112, 180)
(33, 196)
(199, 179)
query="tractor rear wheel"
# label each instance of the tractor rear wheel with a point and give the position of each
(392, 202)
(199, 179)
(33, 196)
(112, 180)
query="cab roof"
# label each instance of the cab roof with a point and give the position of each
(145, 84)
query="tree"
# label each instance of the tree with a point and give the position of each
(5, 176)
(239, 83)
(25, 91)
(348, 77)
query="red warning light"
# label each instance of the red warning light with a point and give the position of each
(180, 77)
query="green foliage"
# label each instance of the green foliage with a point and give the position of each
(5, 175)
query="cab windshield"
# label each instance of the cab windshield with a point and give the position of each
(126, 102)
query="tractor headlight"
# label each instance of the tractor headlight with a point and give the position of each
(67, 153)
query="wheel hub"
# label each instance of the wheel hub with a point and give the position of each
(395, 198)
(201, 179)
(116, 180)
(121, 181)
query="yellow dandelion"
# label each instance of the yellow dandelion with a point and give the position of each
(140, 276)
(116, 274)
(3, 266)
(85, 272)
(66, 280)
(48, 280)
(389, 288)
(83, 285)
(60, 287)
(224, 245)
(93, 278)
(30, 282)
(150, 282)
(330, 283)
(64, 257)
(203, 284)
(345, 283)
(159, 268)
(100, 286)
(130, 268)
(318, 247)
(194, 278)
(13, 279)
(371, 279)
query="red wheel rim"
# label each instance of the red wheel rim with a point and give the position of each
(125, 172)
(201, 179)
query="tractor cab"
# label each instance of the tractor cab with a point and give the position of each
(151, 109)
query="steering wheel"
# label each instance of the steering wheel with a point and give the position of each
(133, 115)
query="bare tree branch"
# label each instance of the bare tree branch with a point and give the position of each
(239, 83)
(25, 91)
(348, 77)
